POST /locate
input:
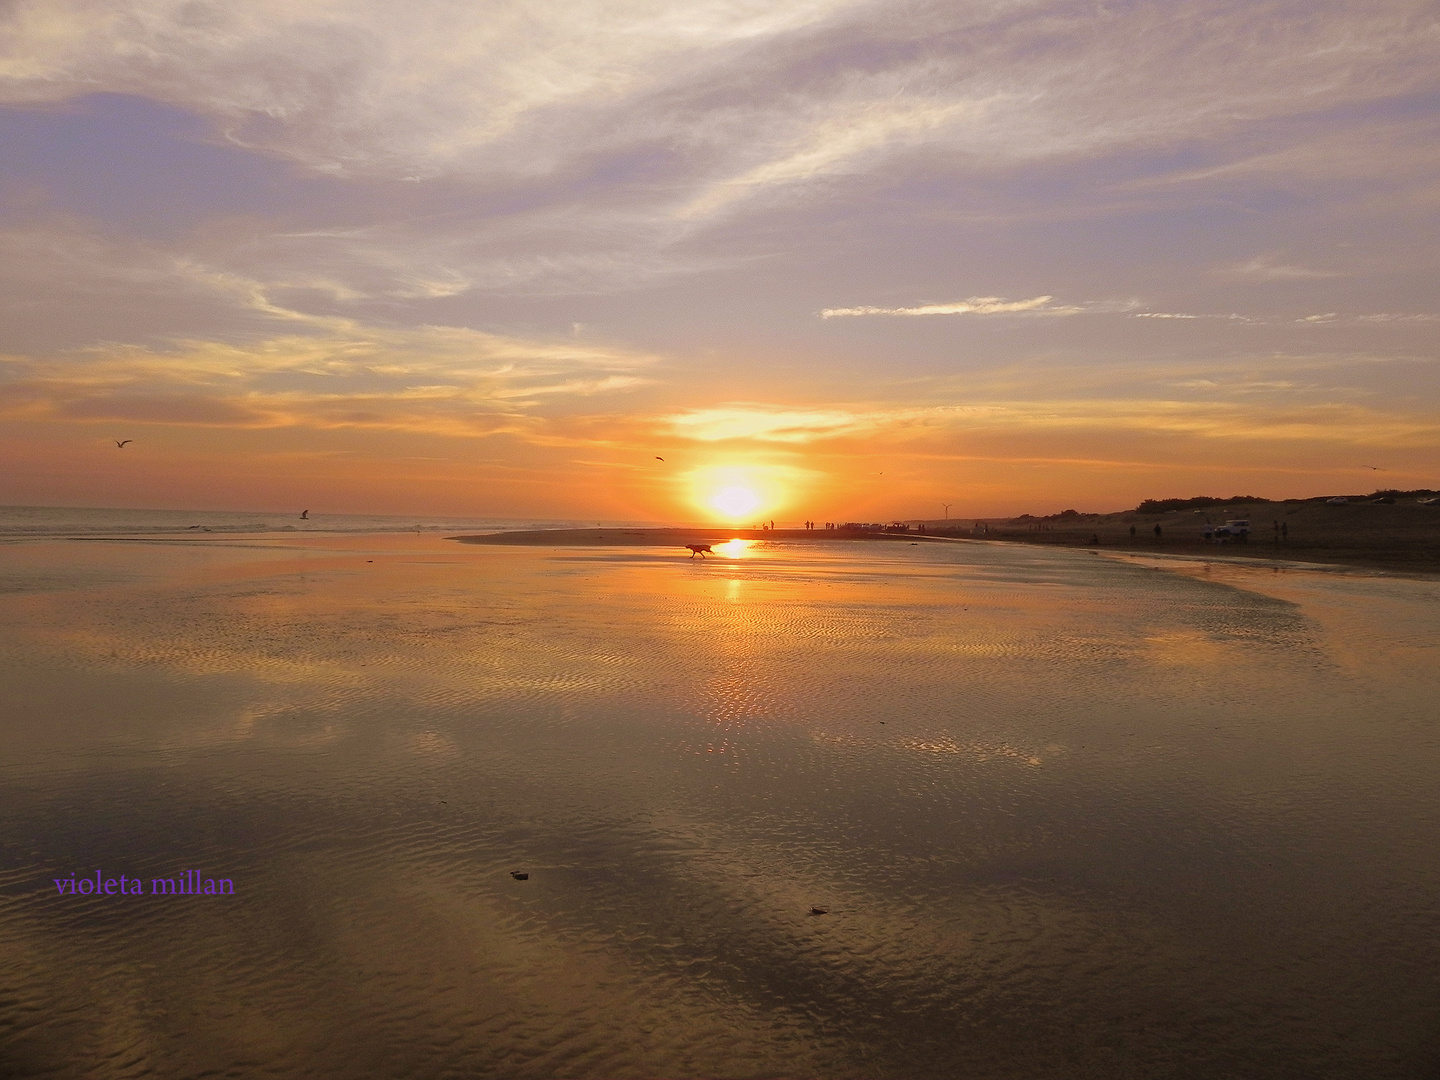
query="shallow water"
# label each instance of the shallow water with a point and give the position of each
(1069, 816)
(28, 522)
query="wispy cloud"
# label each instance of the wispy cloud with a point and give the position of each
(978, 305)
(766, 424)
(440, 380)
(882, 425)
(1273, 268)
(531, 87)
(1186, 315)
(584, 145)
(1335, 318)
(1326, 318)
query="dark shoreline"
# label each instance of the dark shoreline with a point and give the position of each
(1410, 555)
(1394, 537)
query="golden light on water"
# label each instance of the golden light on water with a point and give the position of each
(733, 549)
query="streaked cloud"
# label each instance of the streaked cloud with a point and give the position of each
(446, 380)
(1287, 421)
(766, 425)
(528, 88)
(1326, 318)
(1232, 317)
(1273, 268)
(975, 305)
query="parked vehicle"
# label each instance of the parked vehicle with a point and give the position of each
(1236, 530)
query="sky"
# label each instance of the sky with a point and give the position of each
(862, 260)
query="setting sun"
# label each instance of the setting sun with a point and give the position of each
(741, 493)
(735, 501)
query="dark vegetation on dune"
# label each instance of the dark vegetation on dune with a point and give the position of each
(1387, 529)
(1200, 502)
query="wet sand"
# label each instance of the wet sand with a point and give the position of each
(1067, 815)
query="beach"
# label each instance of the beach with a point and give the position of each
(1060, 814)
(1390, 538)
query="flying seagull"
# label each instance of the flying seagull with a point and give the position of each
(659, 458)
(121, 443)
(1372, 468)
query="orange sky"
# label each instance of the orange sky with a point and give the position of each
(1012, 260)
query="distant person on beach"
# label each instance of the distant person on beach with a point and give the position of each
(1132, 532)
(1157, 531)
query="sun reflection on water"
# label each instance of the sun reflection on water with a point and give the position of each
(734, 549)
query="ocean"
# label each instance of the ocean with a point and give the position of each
(23, 522)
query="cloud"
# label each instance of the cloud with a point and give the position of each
(1333, 318)
(879, 426)
(437, 380)
(1270, 268)
(975, 305)
(840, 140)
(1392, 317)
(1328, 318)
(764, 424)
(1372, 158)
(729, 98)
(583, 147)
(1185, 315)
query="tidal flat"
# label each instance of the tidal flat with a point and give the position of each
(1065, 815)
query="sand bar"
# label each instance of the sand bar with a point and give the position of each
(1402, 539)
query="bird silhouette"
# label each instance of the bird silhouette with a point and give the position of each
(659, 458)
(1372, 468)
(121, 443)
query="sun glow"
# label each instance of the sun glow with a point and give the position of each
(743, 494)
(736, 501)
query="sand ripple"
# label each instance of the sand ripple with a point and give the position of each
(1066, 816)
